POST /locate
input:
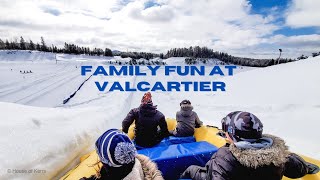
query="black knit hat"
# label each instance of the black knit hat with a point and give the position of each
(185, 102)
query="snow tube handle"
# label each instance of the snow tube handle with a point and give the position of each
(312, 168)
(222, 134)
(212, 126)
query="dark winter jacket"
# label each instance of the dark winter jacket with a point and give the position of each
(147, 120)
(142, 169)
(233, 163)
(187, 120)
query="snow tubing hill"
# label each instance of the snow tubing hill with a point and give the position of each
(173, 155)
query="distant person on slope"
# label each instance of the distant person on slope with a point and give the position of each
(250, 155)
(187, 120)
(148, 120)
(120, 159)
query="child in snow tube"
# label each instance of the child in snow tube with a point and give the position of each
(251, 155)
(187, 120)
(120, 159)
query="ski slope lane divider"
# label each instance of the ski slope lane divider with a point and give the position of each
(65, 101)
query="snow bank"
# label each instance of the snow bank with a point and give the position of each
(291, 83)
(50, 138)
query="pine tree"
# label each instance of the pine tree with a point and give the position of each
(22, 43)
(43, 45)
(161, 56)
(66, 48)
(38, 47)
(7, 44)
(2, 44)
(108, 52)
(31, 46)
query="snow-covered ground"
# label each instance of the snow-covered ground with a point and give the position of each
(53, 136)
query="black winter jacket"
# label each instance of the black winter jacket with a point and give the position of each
(231, 163)
(147, 120)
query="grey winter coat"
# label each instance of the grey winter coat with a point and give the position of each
(232, 163)
(187, 120)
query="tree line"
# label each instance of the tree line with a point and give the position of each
(70, 48)
(138, 55)
(305, 57)
(196, 54)
(22, 44)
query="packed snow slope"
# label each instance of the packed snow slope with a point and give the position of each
(38, 78)
(52, 137)
(46, 79)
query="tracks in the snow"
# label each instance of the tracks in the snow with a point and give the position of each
(41, 87)
(29, 85)
(45, 90)
(11, 85)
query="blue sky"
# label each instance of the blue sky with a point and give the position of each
(254, 28)
(264, 7)
(260, 6)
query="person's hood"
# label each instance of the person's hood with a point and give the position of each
(148, 109)
(265, 151)
(263, 142)
(186, 110)
(136, 172)
(150, 169)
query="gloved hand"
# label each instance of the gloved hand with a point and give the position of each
(194, 172)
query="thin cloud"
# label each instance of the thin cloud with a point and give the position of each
(303, 13)
(52, 11)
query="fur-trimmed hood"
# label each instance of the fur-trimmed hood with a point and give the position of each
(276, 154)
(136, 172)
(149, 168)
(144, 169)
